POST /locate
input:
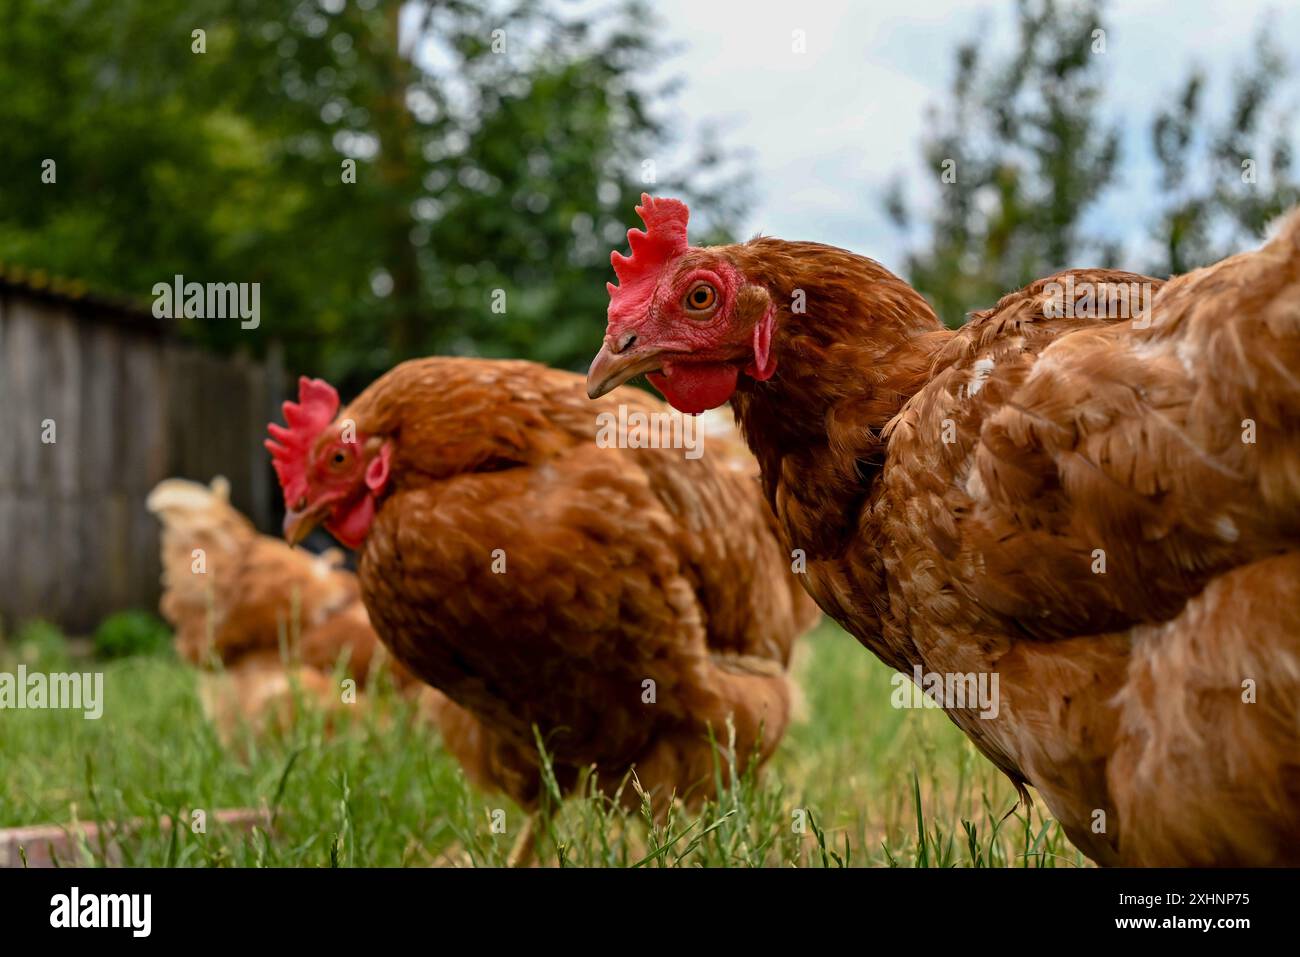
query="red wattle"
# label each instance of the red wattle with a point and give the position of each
(695, 387)
(353, 525)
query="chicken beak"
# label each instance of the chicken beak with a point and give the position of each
(611, 369)
(298, 524)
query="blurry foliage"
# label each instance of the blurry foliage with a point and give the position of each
(484, 162)
(1032, 152)
(132, 633)
(1035, 154)
(39, 641)
(1209, 208)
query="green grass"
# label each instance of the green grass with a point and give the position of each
(858, 783)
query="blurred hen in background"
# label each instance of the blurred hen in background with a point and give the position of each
(263, 621)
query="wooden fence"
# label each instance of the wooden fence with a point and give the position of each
(126, 405)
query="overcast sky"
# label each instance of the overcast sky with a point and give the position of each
(827, 130)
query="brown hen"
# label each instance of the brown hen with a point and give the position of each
(517, 554)
(1090, 491)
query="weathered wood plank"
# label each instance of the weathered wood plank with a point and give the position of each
(23, 363)
(8, 425)
(61, 384)
(103, 414)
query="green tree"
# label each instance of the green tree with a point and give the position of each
(498, 149)
(1020, 151)
(1223, 181)
(1033, 154)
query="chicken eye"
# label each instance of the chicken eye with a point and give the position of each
(340, 457)
(701, 297)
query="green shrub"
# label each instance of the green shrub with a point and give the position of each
(132, 633)
(39, 641)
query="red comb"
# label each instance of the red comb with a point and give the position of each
(315, 409)
(663, 239)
